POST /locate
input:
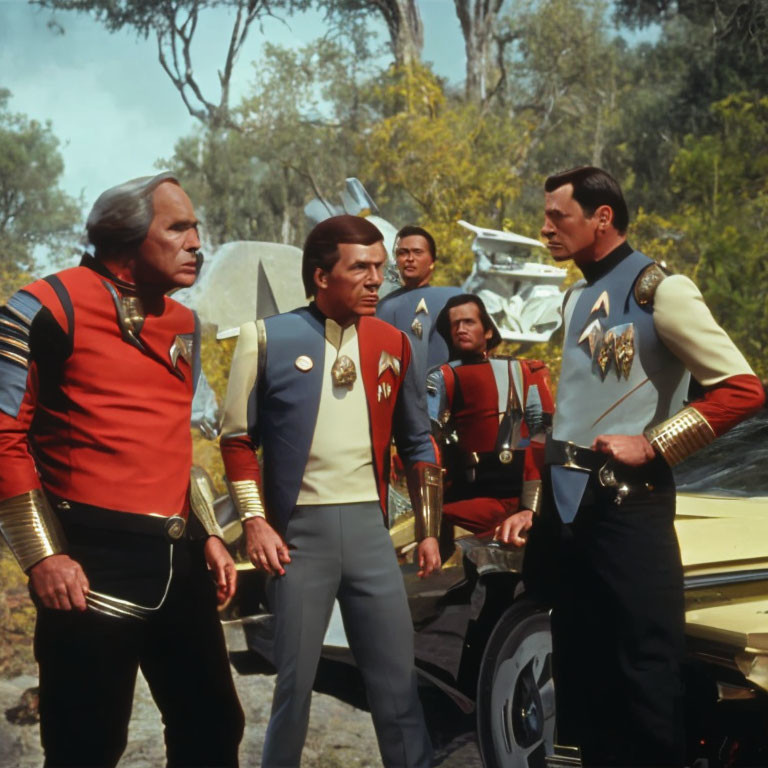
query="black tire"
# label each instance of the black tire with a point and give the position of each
(515, 691)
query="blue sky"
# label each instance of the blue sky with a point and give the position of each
(111, 105)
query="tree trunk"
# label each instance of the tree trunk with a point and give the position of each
(406, 30)
(478, 23)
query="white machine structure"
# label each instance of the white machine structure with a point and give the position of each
(248, 280)
(521, 293)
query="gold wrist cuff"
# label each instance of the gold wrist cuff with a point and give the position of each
(201, 501)
(677, 438)
(30, 528)
(530, 498)
(425, 483)
(247, 498)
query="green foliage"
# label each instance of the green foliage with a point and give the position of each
(448, 160)
(33, 210)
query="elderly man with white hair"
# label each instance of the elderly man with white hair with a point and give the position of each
(97, 371)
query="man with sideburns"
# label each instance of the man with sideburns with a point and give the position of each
(322, 390)
(97, 372)
(604, 551)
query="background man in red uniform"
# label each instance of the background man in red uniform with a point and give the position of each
(491, 414)
(97, 372)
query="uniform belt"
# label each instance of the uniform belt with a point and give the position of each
(574, 456)
(73, 512)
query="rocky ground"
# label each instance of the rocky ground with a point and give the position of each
(340, 736)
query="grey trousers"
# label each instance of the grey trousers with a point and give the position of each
(344, 551)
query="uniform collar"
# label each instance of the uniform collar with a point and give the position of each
(597, 269)
(125, 288)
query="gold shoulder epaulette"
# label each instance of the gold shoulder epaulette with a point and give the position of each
(647, 283)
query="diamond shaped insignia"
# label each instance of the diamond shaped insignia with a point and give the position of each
(386, 360)
(421, 307)
(624, 351)
(606, 353)
(417, 328)
(603, 303)
(181, 348)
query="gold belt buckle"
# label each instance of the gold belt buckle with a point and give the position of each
(174, 527)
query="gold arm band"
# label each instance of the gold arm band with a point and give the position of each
(425, 483)
(31, 528)
(247, 498)
(530, 498)
(677, 438)
(201, 502)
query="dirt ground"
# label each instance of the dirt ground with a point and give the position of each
(340, 736)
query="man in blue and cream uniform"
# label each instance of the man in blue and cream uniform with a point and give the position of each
(414, 307)
(605, 551)
(322, 390)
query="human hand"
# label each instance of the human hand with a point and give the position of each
(266, 548)
(222, 567)
(511, 530)
(60, 583)
(632, 450)
(429, 557)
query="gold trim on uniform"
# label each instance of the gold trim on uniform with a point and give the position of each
(16, 358)
(647, 283)
(530, 498)
(677, 438)
(22, 345)
(247, 498)
(201, 502)
(425, 482)
(31, 528)
(133, 313)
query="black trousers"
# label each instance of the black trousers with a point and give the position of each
(614, 580)
(88, 664)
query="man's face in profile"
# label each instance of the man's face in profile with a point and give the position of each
(168, 256)
(568, 232)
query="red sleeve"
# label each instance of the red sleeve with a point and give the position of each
(240, 462)
(730, 401)
(18, 466)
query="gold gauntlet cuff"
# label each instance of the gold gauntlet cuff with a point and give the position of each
(247, 498)
(201, 502)
(425, 483)
(530, 498)
(31, 528)
(677, 438)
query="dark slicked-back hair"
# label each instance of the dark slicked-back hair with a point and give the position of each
(443, 322)
(121, 216)
(411, 229)
(593, 187)
(321, 248)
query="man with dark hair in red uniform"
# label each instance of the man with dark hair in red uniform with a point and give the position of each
(491, 414)
(97, 372)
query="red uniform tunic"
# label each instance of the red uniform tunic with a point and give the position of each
(478, 497)
(101, 421)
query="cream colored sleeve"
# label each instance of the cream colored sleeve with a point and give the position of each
(243, 377)
(685, 324)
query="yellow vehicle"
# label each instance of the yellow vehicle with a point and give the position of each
(481, 642)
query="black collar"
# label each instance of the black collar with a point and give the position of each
(597, 269)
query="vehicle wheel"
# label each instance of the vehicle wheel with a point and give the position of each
(515, 691)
